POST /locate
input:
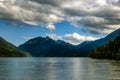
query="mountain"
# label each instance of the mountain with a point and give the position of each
(9, 50)
(83, 44)
(47, 47)
(108, 51)
(92, 45)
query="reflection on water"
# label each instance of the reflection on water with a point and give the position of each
(58, 69)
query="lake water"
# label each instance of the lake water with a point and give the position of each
(58, 69)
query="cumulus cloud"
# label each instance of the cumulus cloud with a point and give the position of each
(73, 38)
(31, 13)
(96, 16)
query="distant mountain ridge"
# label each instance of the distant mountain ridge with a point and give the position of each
(9, 50)
(47, 47)
(94, 44)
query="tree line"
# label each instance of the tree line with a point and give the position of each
(108, 51)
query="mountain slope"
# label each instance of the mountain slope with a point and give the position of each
(9, 50)
(86, 49)
(46, 47)
(108, 51)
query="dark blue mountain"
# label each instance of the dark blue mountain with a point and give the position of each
(83, 44)
(66, 44)
(47, 47)
(86, 49)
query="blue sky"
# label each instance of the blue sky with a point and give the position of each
(73, 21)
(21, 33)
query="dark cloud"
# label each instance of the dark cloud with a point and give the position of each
(48, 2)
(114, 2)
(96, 16)
(75, 12)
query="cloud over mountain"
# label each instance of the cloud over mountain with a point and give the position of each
(96, 16)
(73, 38)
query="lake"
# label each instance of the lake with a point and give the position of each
(58, 69)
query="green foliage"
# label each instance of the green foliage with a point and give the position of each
(9, 50)
(108, 51)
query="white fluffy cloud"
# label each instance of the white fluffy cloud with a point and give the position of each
(73, 38)
(96, 16)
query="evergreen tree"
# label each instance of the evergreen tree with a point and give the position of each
(108, 51)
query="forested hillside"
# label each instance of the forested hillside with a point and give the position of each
(108, 51)
(9, 50)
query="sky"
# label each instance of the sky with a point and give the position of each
(73, 21)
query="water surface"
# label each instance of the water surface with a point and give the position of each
(58, 69)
